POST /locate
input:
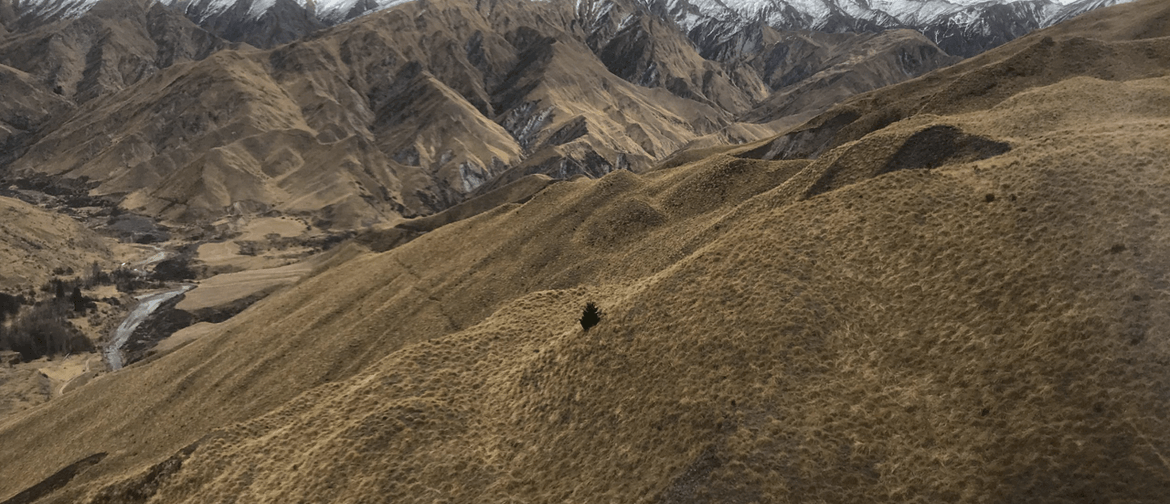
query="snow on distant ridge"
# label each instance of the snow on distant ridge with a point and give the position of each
(690, 13)
(337, 11)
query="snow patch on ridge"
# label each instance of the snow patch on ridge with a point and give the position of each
(336, 11)
(54, 8)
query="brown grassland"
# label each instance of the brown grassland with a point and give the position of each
(35, 242)
(969, 304)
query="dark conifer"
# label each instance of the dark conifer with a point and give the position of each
(78, 300)
(591, 316)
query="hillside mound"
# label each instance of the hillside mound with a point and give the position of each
(34, 243)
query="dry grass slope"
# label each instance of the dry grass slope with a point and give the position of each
(35, 242)
(881, 324)
(899, 339)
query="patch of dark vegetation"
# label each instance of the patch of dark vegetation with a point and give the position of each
(174, 269)
(221, 313)
(44, 330)
(79, 301)
(140, 488)
(381, 240)
(36, 327)
(65, 195)
(56, 481)
(72, 192)
(178, 267)
(275, 242)
(590, 316)
(128, 280)
(10, 305)
(97, 276)
(135, 228)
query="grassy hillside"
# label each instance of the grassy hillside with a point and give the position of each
(902, 338)
(965, 305)
(35, 242)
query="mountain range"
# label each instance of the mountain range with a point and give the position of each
(339, 122)
(338, 126)
(721, 28)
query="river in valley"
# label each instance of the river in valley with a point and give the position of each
(146, 306)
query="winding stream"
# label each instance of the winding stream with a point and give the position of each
(145, 307)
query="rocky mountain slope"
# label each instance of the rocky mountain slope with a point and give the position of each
(341, 127)
(961, 302)
(46, 72)
(960, 27)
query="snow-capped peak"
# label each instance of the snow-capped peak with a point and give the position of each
(717, 18)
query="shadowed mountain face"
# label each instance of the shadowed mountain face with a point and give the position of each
(967, 33)
(811, 71)
(261, 23)
(401, 113)
(951, 290)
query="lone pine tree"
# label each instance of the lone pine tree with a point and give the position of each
(590, 316)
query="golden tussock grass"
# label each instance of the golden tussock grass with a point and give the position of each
(989, 328)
